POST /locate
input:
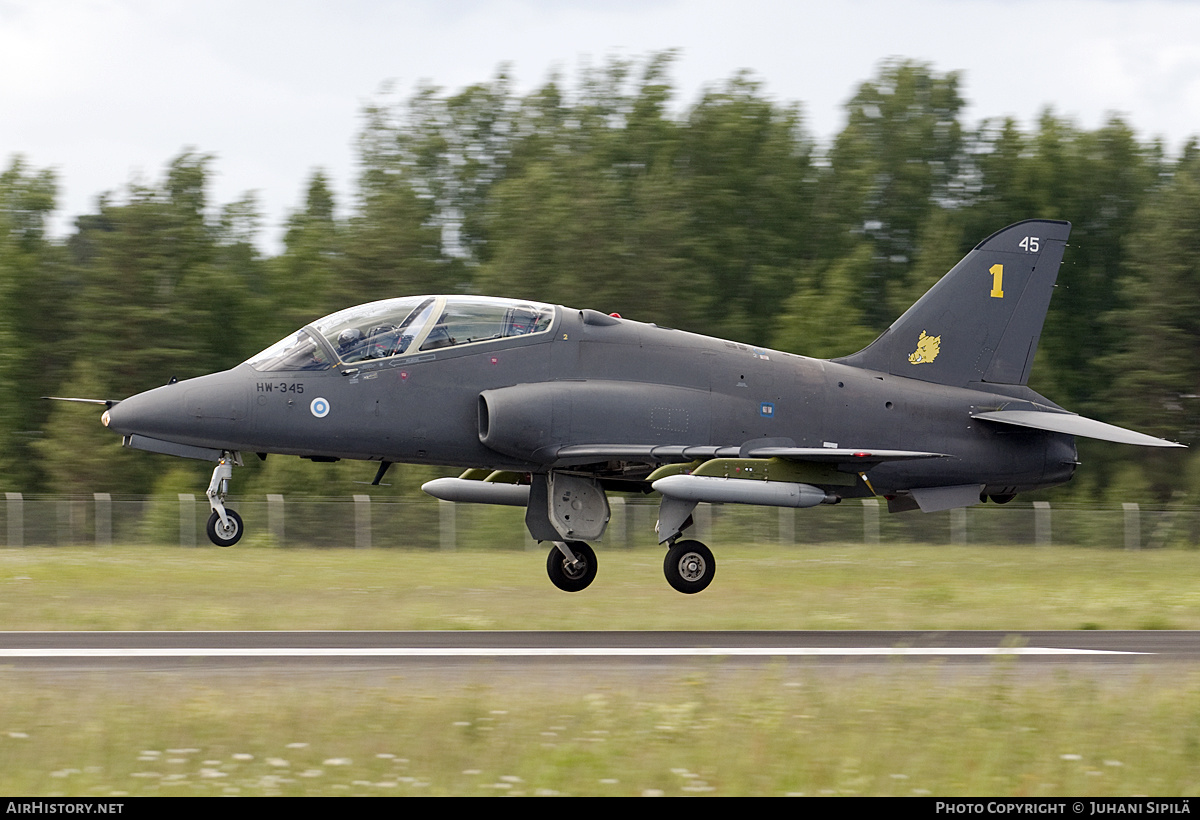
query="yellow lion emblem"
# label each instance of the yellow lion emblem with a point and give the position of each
(927, 349)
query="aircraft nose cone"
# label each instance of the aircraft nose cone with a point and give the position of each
(149, 413)
(205, 411)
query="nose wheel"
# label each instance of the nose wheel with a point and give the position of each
(225, 533)
(689, 566)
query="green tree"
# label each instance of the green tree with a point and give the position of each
(1097, 180)
(612, 203)
(34, 311)
(306, 277)
(748, 186)
(1156, 371)
(897, 159)
(393, 244)
(133, 258)
(827, 317)
(163, 290)
(595, 215)
(76, 453)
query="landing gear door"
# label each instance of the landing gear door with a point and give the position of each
(578, 507)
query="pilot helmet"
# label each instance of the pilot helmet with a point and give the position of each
(349, 337)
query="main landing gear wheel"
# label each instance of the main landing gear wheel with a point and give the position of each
(689, 566)
(572, 577)
(225, 535)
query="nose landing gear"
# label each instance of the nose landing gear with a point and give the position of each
(224, 526)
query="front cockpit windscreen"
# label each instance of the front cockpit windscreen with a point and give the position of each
(300, 351)
(396, 327)
(376, 330)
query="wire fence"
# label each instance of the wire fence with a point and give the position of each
(360, 522)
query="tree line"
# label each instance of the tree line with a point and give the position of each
(726, 218)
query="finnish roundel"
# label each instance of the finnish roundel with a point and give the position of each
(319, 407)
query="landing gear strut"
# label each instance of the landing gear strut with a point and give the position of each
(689, 566)
(224, 526)
(571, 565)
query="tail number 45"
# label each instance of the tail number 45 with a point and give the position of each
(1029, 244)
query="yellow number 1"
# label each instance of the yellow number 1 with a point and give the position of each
(997, 272)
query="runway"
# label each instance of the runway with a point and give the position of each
(311, 651)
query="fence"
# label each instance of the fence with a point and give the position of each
(359, 521)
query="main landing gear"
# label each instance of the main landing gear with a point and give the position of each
(689, 566)
(571, 565)
(224, 526)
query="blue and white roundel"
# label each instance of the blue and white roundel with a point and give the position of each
(319, 407)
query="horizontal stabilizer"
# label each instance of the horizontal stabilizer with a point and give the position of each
(1073, 425)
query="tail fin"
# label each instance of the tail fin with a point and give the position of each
(982, 320)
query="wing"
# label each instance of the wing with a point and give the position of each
(858, 459)
(767, 466)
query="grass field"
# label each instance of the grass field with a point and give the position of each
(770, 731)
(911, 728)
(851, 587)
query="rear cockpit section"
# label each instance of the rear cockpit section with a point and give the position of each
(404, 326)
(466, 320)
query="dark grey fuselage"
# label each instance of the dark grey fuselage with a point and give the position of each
(550, 408)
(532, 403)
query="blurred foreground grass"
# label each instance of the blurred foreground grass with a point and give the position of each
(909, 729)
(756, 587)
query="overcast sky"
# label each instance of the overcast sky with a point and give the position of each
(107, 91)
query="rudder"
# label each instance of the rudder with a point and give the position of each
(980, 322)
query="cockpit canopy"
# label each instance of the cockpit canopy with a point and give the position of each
(400, 327)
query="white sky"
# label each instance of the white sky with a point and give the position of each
(107, 91)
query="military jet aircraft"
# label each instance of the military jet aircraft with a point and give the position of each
(551, 408)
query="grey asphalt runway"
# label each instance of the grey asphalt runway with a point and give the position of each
(331, 651)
